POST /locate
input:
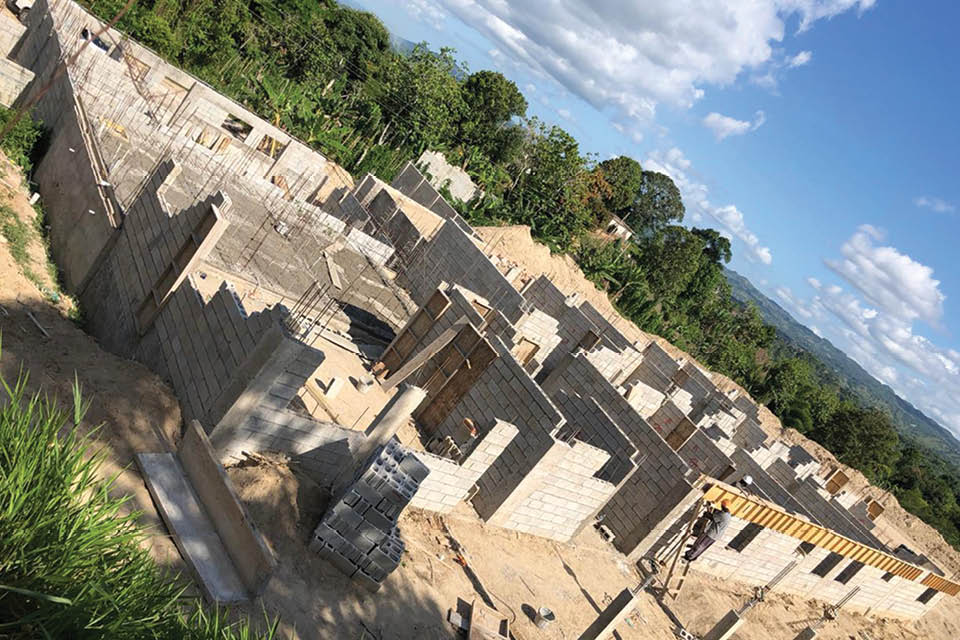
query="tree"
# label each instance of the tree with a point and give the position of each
(491, 102)
(862, 438)
(670, 258)
(625, 177)
(551, 188)
(658, 204)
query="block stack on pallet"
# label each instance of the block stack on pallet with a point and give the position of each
(358, 533)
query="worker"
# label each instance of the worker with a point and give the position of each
(717, 523)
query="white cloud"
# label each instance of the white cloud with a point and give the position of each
(935, 204)
(889, 279)
(676, 165)
(794, 304)
(724, 126)
(628, 58)
(426, 11)
(565, 114)
(802, 58)
(885, 345)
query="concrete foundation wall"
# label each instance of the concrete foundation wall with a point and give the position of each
(450, 482)
(322, 449)
(505, 392)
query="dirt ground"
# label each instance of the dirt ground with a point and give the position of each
(517, 573)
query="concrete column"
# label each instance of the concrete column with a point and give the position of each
(727, 626)
(606, 623)
(393, 416)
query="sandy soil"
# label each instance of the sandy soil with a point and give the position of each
(518, 573)
(137, 411)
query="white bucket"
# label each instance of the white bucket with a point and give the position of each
(544, 617)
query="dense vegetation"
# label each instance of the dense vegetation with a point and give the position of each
(71, 566)
(327, 74)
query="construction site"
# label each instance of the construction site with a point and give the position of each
(375, 421)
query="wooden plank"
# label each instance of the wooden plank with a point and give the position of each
(457, 385)
(417, 361)
(190, 528)
(774, 518)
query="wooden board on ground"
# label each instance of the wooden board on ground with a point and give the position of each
(190, 528)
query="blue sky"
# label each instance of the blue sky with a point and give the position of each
(818, 134)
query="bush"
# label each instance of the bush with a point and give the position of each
(71, 566)
(19, 142)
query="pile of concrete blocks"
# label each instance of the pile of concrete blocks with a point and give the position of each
(358, 534)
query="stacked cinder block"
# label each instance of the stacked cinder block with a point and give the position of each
(358, 533)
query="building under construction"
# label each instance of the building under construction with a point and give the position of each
(228, 256)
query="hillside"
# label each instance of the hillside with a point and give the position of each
(850, 376)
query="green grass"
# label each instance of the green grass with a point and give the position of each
(71, 565)
(19, 235)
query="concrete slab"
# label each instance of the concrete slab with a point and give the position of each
(191, 528)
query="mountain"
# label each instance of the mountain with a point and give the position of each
(908, 420)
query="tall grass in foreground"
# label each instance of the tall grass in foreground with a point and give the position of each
(71, 566)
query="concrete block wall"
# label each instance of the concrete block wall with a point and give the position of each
(656, 369)
(832, 515)
(541, 329)
(700, 452)
(203, 345)
(667, 418)
(749, 435)
(197, 98)
(450, 481)
(693, 388)
(770, 552)
(617, 340)
(66, 176)
(13, 80)
(644, 399)
(766, 485)
(588, 422)
(10, 33)
(542, 294)
(567, 494)
(413, 184)
(452, 256)
(135, 257)
(322, 449)
(505, 392)
(377, 250)
(662, 479)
